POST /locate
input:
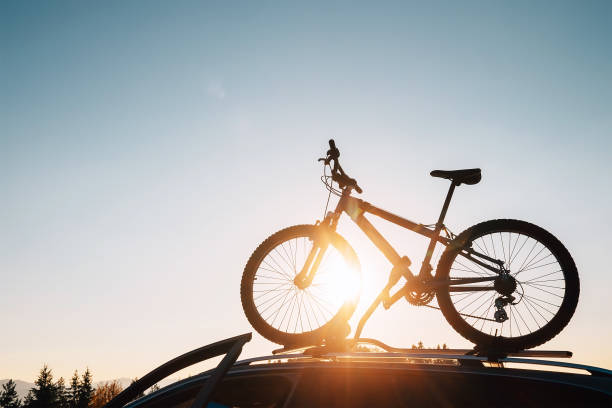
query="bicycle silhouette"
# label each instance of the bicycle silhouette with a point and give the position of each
(503, 283)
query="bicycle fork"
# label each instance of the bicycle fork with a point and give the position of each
(304, 278)
(319, 245)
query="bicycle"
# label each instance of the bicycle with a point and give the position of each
(503, 284)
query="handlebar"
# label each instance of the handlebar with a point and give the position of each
(338, 175)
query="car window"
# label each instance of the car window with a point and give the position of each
(474, 390)
(261, 391)
(336, 388)
(387, 388)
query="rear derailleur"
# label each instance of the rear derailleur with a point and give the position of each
(500, 314)
(505, 285)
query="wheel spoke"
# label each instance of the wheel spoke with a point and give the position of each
(540, 283)
(283, 305)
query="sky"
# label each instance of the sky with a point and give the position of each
(147, 148)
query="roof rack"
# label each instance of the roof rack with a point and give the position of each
(464, 357)
(492, 354)
(231, 347)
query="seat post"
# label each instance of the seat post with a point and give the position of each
(449, 195)
(426, 268)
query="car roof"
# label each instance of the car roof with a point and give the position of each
(321, 359)
(423, 363)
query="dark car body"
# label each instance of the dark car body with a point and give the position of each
(419, 379)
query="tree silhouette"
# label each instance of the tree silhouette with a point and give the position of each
(62, 393)
(8, 396)
(73, 392)
(85, 390)
(44, 395)
(104, 393)
(29, 399)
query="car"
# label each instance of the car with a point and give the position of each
(326, 376)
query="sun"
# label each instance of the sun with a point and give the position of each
(343, 281)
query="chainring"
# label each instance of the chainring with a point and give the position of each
(419, 298)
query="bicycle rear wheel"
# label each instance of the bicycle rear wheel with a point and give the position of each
(286, 314)
(545, 294)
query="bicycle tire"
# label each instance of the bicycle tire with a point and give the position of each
(570, 292)
(303, 235)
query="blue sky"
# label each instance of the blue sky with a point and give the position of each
(146, 148)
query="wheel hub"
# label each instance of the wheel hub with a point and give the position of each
(505, 284)
(301, 283)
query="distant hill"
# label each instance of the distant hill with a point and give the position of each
(22, 387)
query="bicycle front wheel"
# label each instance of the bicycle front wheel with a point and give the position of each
(544, 285)
(289, 315)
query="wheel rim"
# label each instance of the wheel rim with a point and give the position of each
(285, 307)
(540, 291)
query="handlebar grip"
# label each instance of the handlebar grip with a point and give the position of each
(333, 153)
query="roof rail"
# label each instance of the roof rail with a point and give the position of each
(231, 347)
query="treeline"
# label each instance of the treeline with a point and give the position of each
(46, 393)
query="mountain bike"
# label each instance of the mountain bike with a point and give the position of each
(504, 283)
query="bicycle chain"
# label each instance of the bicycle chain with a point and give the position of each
(464, 314)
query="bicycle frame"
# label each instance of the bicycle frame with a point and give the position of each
(356, 208)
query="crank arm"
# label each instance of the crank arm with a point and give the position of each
(389, 301)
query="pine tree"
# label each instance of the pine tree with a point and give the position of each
(62, 393)
(44, 395)
(29, 400)
(85, 390)
(8, 396)
(73, 392)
